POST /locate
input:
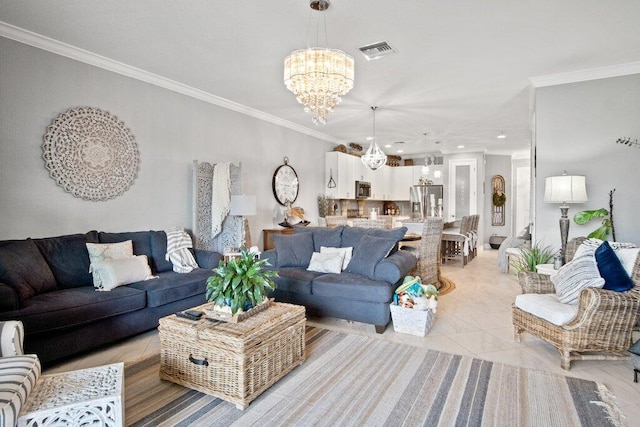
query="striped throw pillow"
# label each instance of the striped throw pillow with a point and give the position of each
(18, 376)
(580, 273)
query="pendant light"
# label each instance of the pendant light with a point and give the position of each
(374, 157)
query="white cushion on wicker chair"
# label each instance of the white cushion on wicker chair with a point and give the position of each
(547, 307)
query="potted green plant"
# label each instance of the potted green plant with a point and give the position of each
(240, 283)
(531, 257)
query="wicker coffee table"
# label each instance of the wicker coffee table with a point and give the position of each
(235, 362)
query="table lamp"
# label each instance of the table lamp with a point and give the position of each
(243, 206)
(565, 189)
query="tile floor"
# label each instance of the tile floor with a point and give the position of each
(474, 319)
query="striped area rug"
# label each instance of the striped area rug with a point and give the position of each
(362, 381)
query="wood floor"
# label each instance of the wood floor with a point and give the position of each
(474, 319)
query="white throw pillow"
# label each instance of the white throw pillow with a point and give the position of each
(582, 272)
(627, 257)
(328, 262)
(99, 252)
(122, 271)
(348, 252)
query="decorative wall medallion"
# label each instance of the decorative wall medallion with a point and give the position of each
(91, 154)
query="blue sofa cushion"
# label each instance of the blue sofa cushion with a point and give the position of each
(169, 286)
(141, 243)
(294, 250)
(295, 279)
(68, 259)
(322, 236)
(23, 267)
(394, 267)
(611, 269)
(368, 254)
(70, 307)
(351, 236)
(159, 251)
(352, 286)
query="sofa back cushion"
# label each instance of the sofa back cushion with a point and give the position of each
(23, 268)
(322, 236)
(159, 250)
(141, 243)
(351, 236)
(68, 259)
(294, 250)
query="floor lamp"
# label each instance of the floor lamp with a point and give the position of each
(243, 206)
(565, 189)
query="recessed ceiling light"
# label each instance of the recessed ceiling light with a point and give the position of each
(460, 146)
(387, 146)
(400, 151)
(369, 138)
(501, 135)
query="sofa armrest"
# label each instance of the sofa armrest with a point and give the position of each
(207, 259)
(534, 283)
(8, 298)
(11, 338)
(395, 267)
(609, 312)
(270, 255)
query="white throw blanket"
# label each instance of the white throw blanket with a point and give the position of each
(220, 196)
(178, 244)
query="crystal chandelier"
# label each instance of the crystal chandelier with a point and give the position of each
(319, 76)
(374, 157)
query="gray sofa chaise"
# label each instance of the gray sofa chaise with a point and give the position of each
(362, 292)
(46, 284)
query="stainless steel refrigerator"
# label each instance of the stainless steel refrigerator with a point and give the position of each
(426, 200)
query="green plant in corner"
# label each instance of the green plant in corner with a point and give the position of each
(530, 257)
(240, 283)
(606, 227)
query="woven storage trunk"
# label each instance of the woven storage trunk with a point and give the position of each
(233, 361)
(410, 321)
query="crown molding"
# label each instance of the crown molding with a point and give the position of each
(63, 49)
(585, 75)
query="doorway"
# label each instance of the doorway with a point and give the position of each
(463, 188)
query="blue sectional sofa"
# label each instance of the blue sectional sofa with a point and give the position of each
(46, 284)
(362, 292)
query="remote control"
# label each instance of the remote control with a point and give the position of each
(186, 316)
(194, 313)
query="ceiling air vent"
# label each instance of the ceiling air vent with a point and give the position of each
(377, 50)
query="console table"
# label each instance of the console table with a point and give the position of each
(268, 233)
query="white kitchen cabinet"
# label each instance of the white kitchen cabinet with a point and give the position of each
(345, 170)
(401, 181)
(379, 179)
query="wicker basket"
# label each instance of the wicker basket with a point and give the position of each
(233, 361)
(410, 321)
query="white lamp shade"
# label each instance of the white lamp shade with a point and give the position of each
(242, 205)
(565, 189)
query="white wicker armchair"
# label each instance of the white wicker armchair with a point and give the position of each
(602, 326)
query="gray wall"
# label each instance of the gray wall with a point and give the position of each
(171, 130)
(497, 165)
(576, 128)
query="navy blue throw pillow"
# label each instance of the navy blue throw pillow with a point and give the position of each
(611, 269)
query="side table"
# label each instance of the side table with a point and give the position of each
(92, 396)
(546, 269)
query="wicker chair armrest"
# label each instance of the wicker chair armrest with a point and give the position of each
(534, 283)
(606, 312)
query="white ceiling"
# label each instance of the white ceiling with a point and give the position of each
(461, 72)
